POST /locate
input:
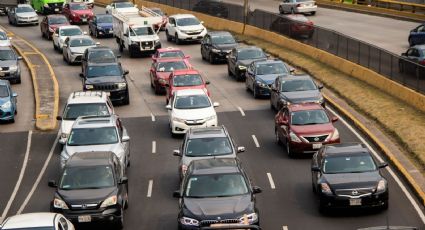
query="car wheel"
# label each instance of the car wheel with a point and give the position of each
(313, 188)
(246, 86)
(288, 150)
(385, 206)
(120, 223)
(156, 89)
(120, 46)
(202, 55)
(411, 42)
(292, 11)
(168, 36)
(254, 89)
(126, 202)
(313, 13)
(277, 139)
(126, 100)
(322, 208)
(211, 59)
(12, 120)
(96, 33)
(176, 38)
(229, 72)
(281, 10)
(271, 105)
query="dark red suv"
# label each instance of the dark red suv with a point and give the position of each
(304, 128)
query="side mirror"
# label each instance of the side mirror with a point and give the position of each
(81, 75)
(176, 194)
(241, 149)
(52, 184)
(126, 72)
(315, 169)
(383, 165)
(187, 56)
(14, 94)
(176, 153)
(125, 139)
(125, 35)
(207, 82)
(320, 86)
(256, 189)
(98, 43)
(291, 70)
(403, 54)
(335, 118)
(59, 118)
(65, 45)
(10, 38)
(119, 56)
(124, 180)
(168, 107)
(85, 33)
(202, 22)
(267, 55)
(216, 104)
(56, 35)
(135, 6)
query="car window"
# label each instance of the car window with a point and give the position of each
(93, 136)
(4, 91)
(104, 19)
(140, 31)
(188, 21)
(58, 20)
(71, 32)
(7, 55)
(81, 42)
(99, 56)
(192, 102)
(24, 10)
(187, 80)
(272, 68)
(78, 7)
(3, 35)
(104, 70)
(213, 146)
(222, 39)
(297, 85)
(72, 111)
(123, 5)
(309, 117)
(90, 177)
(244, 54)
(348, 164)
(170, 66)
(215, 185)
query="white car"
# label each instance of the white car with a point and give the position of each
(184, 27)
(191, 108)
(36, 221)
(75, 46)
(4, 39)
(63, 32)
(122, 7)
(298, 6)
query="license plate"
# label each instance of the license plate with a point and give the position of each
(83, 219)
(84, 19)
(57, 10)
(111, 31)
(355, 202)
(317, 146)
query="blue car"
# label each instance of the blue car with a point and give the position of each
(260, 75)
(8, 101)
(101, 26)
(417, 35)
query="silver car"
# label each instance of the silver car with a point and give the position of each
(102, 133)
(23, 14)
(75, 46)
(4, 39)
(298, 6)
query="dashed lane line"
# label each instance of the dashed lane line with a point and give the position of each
(241, 110)
(255, 141)
(272, 185)
(150, 188)
(153, 146)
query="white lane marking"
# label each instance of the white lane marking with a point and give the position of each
(37, 182)
(284, 227)
(21, 175)
(241, 110)
(255, 141)
(153, 117)
(150, 188)
(153, 146)
(272, 185)
(400, 184)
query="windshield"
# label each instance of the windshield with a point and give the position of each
(104, 19)
(92, 177)
(93, 136)
(142, 31)
(192, 102)
(71, 32)
(99, 56)
(250, 54)
(81, 42)
(123, 5)
(298, 85)
(213, 146)
(78, 7)
(33, 228)
(223, 39)
(187, 80)
(72, 111)
(349, 164)
(58, 20)
(158, 11)
(188, 22)
(4, 92)
(7, 55)
(218, 185)
(105, 70)
(170, 66)
(271, 68)
(24, 10)
(3, 35)
(175, 53)
(309, 117)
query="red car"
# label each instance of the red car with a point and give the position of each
(304, 128)
(77, 12)
(169, 52)
(161, 69)
(185, 79)
(50, 22)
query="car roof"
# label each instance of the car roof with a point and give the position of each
(69, 27)
(295, 77)
(55, 16)
(185, 71)
(94, 121)
(206, 132)
(219, 33)
(177, 16)
(305, 106)
(4, 82)
(247, 48)
(40, 219)
(261, 61)
(169, 59)
(92, 158)
(214, 166)
(345, 149)
(85, 97)
(80, 37)
(102, 63)
(186, 92)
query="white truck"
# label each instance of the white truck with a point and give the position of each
(135, 33)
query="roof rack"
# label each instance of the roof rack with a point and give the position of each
(93, 116)
(86, 93)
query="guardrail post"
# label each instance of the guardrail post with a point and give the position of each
(391, 67)
(358, 53)
(368, 57)
(379, 69)
(337, 45)
(346, 49)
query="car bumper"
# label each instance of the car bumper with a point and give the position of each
(26, 21)
(262, 91)
(7, 114)
(79, 19)
(105, 32)
(110, 215)
(5, 75)
(370, 201)
(142, 47)
(192, 37)
(75, 58)
(306, 9)
(309, 148)
(178, 127)
(221, 56)
(53, 9)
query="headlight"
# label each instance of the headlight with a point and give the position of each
(252, 218)
(189, 221)
(178, 119)
(74, 15)
(211, 118)
(326, 189)
(122, 85)
(109, 202)
(6, 105)
(184, 169)
(261, 84)
(321, 100)
(242, 67)
(46, 5)
(89, 86)
(215, 50)
(184, 31)
(99, 28)
(58, 203)
(335, 135)
(294, 137)
(13, 68)
(382, 186)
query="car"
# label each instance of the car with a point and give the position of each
(122, 6)
(411, 58)
(109, 77)
(8, 102)
(304, 128)
(164, 18)
(63, 32)
(77, 12)
(37, 221)
(298, 7)
(295, 89)
(101, 25)
(293, 25)
(75, 46)
(169, 52)
(49, 24)
(161, 69)
(185, 79)
(240, 58)
(89, 3)
(417, 35)
(92, 188)
(98, 133)
(346, 176)
(212, 7)
(83, 103)
(184, 27)
(205, 143)
(4, 39)
(22, 14)
(98, 54)
(189, 108)
(215, 191)
(217, 45)
(260, 75)
(9, 65)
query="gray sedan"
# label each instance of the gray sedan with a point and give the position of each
(298, 6)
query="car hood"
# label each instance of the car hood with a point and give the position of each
(86, 196)
(66, 126)
(4, 100)
(5, 42)
(246, 62)
(194, 114)
(219, 207)
(163, 75)
(186, 160)
(302, 96)
(352, 180)
(105, 25)
(115, 148)
(176, 88)
(268, 78)
(317, 129)
(79, 49)
(27, 14)
(190, 28)
(104, 79)
(81, 12)
(7, 63)
(225, 47)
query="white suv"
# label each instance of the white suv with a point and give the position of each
(184, 27)
(83, 103)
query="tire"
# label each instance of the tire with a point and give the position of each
(18, 81)
(271, 105)
(48, 36)
(288, 150)
(176, 38)
(277, 139)
(292, 11)
(168, 36)
(313, 13)
(411, 42)
(211, 59)
(281, 10)
(126, 101)
(229, 72)
(126, 205)
(322, 208)
(254, 91)
(96, 33)
(385, 206)
(54, 46)
(120, 223)
(156, 89)
(246, 86)
(202, 55)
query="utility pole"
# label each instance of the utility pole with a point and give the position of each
(245, 14)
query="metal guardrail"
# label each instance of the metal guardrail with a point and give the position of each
(412, 7)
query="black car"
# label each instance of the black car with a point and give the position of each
(293, 89)
(217, 45)
(9, 65)
(260, 75)
(92, 188)
(101, 26)
(216, 191)
(346, 175)
(240, 58)
(98, 54)
(108, 77)
(212, 7)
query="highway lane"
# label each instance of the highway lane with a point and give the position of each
(289, 204)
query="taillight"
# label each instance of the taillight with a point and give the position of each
(422, 62)
(298, 5)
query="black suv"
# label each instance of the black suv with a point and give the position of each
(92, 188)
(216, 191)
(240, 58)
(108, 77)
(217, 45)
(98, 54)
(346, 175)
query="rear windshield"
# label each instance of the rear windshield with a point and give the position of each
(7, 55)
(78, 7)
(24, 10)
(73, 111)
(250, 54)
(71, 32)
(187, 80)
(271, 68)
(174, 53)
(170, 66)
(58, 20)
(81, 42)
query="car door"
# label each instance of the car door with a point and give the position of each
(274, 93)
(171, 26)
(56, 36)
(283, 129)
(205, 46)
(153, 72)
(250, 76)
(316, 162)
(418, 34)
(93, 25)
(232, 60)
(123, 132)
(119, 174)
(11, 15)
(413, 54)
(84, 60)
(286, 6)
(65, 49)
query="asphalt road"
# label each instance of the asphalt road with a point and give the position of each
(290, 204)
